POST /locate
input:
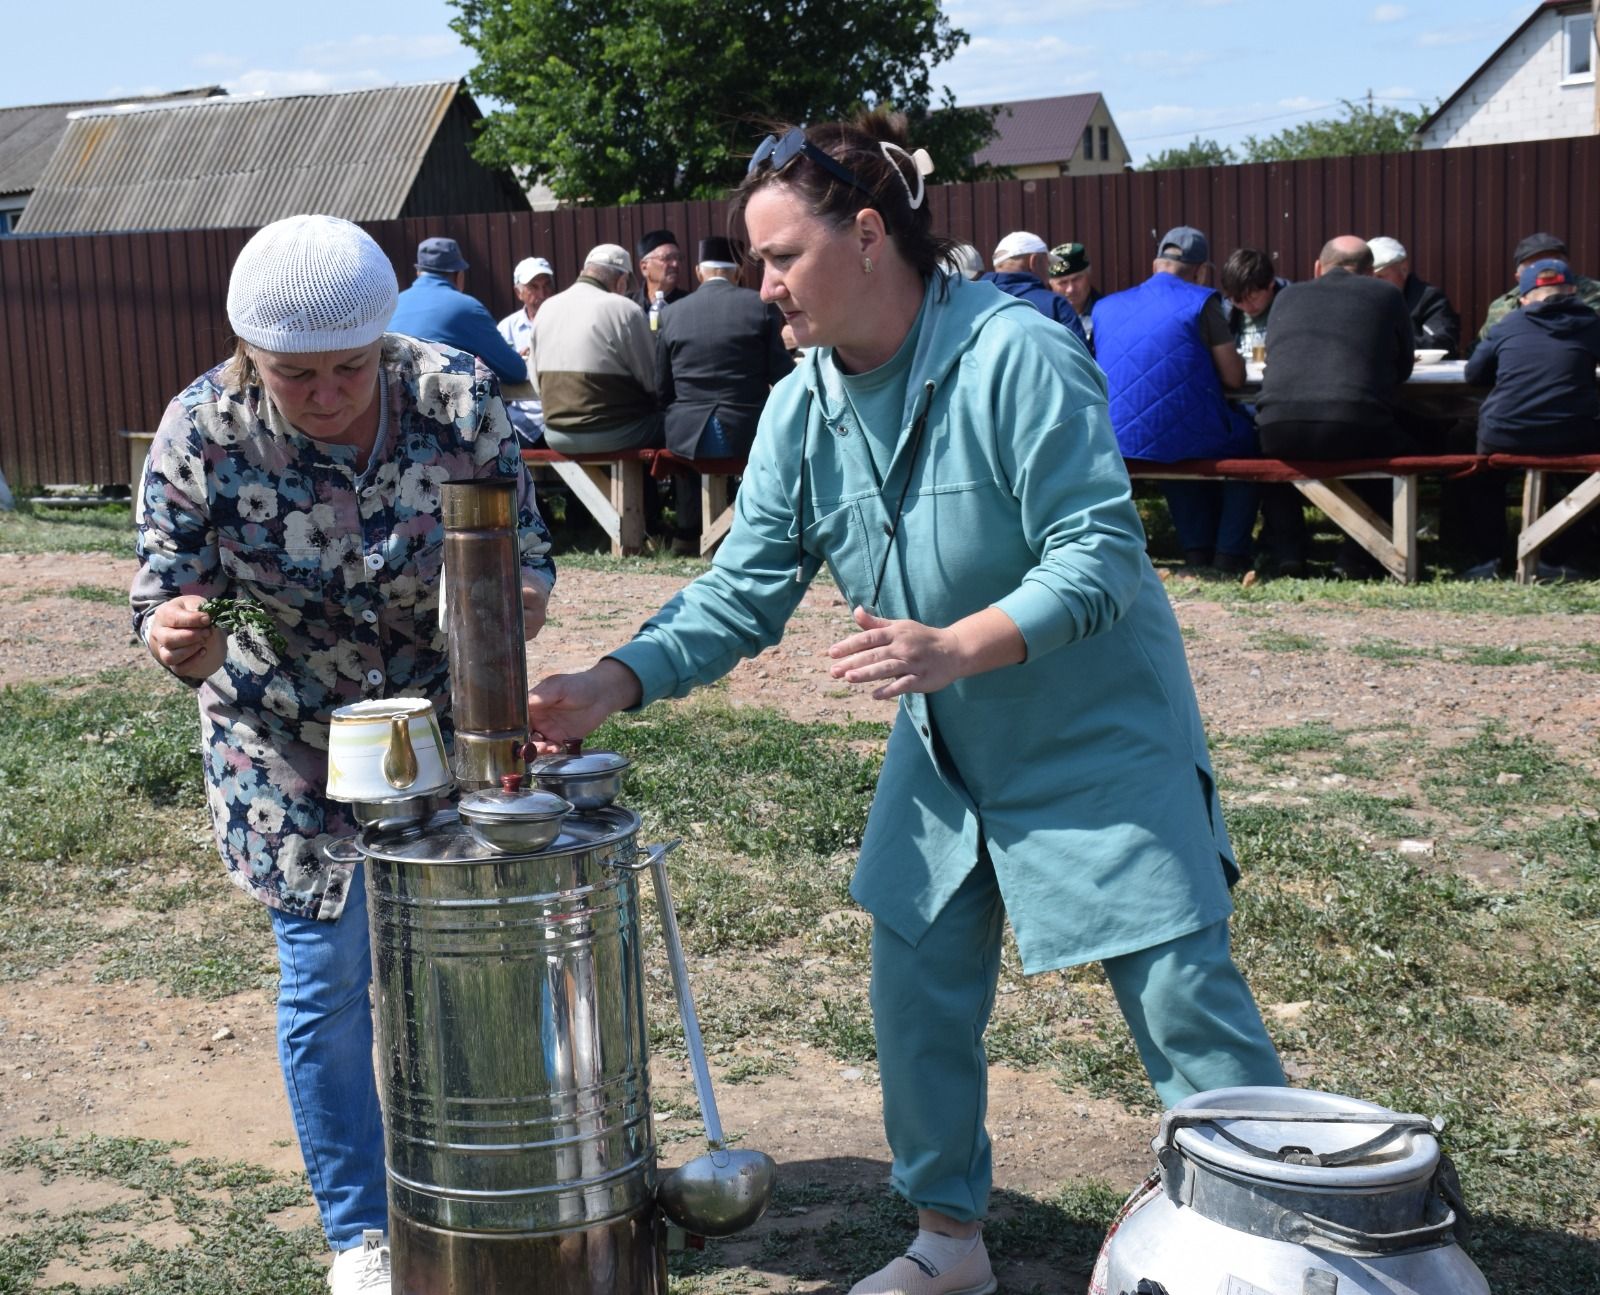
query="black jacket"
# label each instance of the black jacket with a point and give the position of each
(1340, 348)
(640, 297)
(1434, 322)
(719, 351)
(1541, 361)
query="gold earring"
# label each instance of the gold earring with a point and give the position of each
(866, 265)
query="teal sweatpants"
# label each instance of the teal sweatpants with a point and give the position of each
(1190, 1011)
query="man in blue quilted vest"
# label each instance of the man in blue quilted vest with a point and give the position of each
(1169, 360)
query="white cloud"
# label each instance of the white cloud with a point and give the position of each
(1172, 62)
(990, 70)
(381, 50)
(1389, 13)
(1302, 103)
(273, 81)
(216, 61)
(1488, 30)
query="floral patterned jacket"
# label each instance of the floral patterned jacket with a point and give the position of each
(236, 501)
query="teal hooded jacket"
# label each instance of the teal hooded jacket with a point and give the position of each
(1083, 770)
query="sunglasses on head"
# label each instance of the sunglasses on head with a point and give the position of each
(781, 153)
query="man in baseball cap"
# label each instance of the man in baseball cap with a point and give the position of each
(1021, 262)
(1434, 322)
(1533, 248)
(1539, 362)
(594, 362)
(1169, 360)
(1070, 278)
(436, 308)
(533, 280)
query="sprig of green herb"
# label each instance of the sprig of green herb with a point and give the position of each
(241, 616)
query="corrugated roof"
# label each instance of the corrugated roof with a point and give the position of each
(240, 162)
(1038, 130)
(29, 134)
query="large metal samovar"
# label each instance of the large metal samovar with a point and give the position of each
(509, 991)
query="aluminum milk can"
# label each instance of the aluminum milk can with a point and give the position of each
(1284, 1191)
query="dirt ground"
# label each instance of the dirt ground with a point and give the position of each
(112, 1059)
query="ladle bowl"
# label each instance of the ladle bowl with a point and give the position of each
(719, 1193)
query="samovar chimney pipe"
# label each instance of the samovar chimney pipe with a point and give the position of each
(483, 623)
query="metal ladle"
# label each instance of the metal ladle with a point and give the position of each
(725, 1190)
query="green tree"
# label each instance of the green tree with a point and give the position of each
(1364, 128)
(619, 101)
(1197, 152)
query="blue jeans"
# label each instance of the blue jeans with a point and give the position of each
(1189, 1010)
(1213, 516)
(325, 1049)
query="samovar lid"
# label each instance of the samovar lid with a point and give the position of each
(1275, 1134)
(444, 838)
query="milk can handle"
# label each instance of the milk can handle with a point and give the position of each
(1172, 1121)
(342, 849)
(1300, 1227)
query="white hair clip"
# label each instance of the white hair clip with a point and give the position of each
(920, 162)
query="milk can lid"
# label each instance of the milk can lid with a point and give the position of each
(1274, 1134)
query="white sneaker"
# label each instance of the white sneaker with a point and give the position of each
(361, 1268)
(912, 1274)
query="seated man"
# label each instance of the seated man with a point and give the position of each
(1169, 358)
(1072, 278)
(1251, 284)
(1540, 362)
(1341, 348)
(436, 308)
(594, 362)
(533, 281)
(1021, 262)
(1537, 247)
(1434, 322)
(719, 351)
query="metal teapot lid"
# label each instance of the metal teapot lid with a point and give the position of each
(511, 803)
(578, 761)
(1302, 1136)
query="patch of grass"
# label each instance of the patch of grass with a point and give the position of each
(1491, 771)
(208, 966)
(32, 529)
(96, 594)
(1442, 594)
(235, 1248)
(1282, 641)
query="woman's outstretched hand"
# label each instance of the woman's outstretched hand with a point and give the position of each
(908, 656)
(566, 707)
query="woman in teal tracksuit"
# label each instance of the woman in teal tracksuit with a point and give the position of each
(946, 450)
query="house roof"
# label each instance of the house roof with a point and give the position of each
(235, 161)
(29, 134)
(1576, 6)
(1038, 130)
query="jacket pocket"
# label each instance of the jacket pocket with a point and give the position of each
(839, 537)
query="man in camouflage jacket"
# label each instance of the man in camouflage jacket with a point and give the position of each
(1533, 248)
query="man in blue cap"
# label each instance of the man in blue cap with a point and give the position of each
(1539, 361)
(436, 308)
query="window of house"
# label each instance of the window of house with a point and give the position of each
(1088, 143)
(1578, 48)
(1105, 143)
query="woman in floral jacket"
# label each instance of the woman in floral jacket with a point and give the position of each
(304, 475)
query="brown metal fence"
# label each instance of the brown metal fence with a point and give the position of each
(99, 331)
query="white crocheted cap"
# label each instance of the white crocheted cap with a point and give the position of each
(311, 283)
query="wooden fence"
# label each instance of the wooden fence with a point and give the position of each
(99, 331)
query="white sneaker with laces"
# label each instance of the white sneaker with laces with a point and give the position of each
(361, 1268)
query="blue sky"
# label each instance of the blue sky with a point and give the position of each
(1221, 68)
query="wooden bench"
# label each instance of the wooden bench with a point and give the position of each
(1392, 541)
(1539, 524)
(611, 487)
